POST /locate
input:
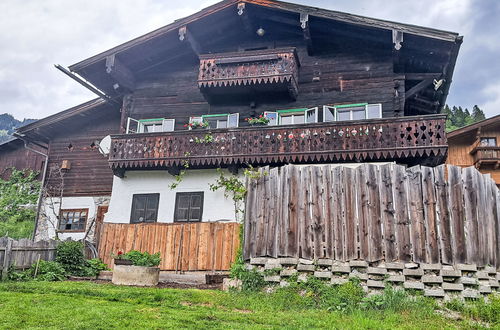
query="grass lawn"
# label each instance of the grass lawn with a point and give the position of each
(83, 305)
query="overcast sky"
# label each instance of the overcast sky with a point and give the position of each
(37, 34)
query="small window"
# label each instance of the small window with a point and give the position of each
(150, 125)
(352, 112)
(188, 206)
(218, 121)
(144, 208)
(488, 142)
(297, 116)
(73, 220)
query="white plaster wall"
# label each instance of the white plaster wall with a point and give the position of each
(216, 207)
(50, 210)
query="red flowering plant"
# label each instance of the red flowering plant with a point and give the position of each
(261, 120)
(196, 124)
(118, 255)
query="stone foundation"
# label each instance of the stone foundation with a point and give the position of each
(435, 280)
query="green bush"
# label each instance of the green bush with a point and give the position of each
(94, 267)
(45, 271)
(144, 259)
(70, 255)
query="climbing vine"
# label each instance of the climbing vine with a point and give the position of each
(179, 177)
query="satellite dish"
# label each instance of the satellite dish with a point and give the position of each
(105, 145)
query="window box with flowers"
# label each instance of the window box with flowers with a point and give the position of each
(261, 120)
(136, 268)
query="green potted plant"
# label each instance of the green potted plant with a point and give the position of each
(197, 124)
(261, 120)
(136, 268)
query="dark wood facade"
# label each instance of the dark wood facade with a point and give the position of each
(72, 138)
(14, 155)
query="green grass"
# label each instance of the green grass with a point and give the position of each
(17, 229)
(83, 305)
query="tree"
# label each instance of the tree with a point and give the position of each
(477, 114)
(459, 117)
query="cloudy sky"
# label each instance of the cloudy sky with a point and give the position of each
(37, 34)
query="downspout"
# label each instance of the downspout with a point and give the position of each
(39, 206)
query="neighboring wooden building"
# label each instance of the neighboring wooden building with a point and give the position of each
(14, 155)
(78, 180)
(477, 145)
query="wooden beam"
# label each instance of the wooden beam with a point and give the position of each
(418, 88)
(186, 35)
(397, 39)
(245, 18)
(120, 73)
(119, 172)
(304, 24)
(422, 75)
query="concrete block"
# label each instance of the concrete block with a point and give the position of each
(376, 271)
(395, 265)
(484, 289)
(288, 261)
(434, 267)
(323, 274)
(452, 286)
(375, 284)
(467, 268)
(284, 284)
(416, 272)
(338, 280)
(451, 273)
(341, 269)
(358, 263)
(306, 261)
(470, 293)
(258, 261)
(249, 267)
(135, 275)
(274, 278)
(361, 276)
(105, 275)
(439, 293)
(230, 283)
(396, 278)
(493, 283)
(490, 270)
(497, 276)
(270, 266)
(432, 279)
(411, 265)
(482, 275)
(306, 268)
(288, 272)
(468, 280)
(325, 262)
(413, 285)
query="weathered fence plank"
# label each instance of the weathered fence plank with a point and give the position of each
(376, 213)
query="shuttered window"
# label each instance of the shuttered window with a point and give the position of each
(144, 208)
(188, 206)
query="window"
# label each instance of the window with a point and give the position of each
(352, 112)
(188, 206)
(488, 142)
(144, 208)
(150, 125)
(218, 121)
(292, 116)
(73, 220)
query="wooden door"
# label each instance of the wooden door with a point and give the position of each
(101, 211)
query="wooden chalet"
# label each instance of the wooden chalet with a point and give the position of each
(330, 88)
(477, 145)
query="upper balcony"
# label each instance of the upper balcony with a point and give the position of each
(268, 70)
(486, 156)
(413, 140)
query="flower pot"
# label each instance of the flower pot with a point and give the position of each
(135, 275)
(123, 262)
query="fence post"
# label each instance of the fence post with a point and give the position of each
(6, 260)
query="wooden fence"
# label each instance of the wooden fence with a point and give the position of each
(374, 213)
(23, 253)
(183, 247)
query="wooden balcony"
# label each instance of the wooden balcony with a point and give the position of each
(264, 70)
(486, 156)
(407, 139)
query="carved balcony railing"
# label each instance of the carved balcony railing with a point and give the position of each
(422, 139)
(276, 68)
(486, 156)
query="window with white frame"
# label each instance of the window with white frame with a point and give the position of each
(358, 111)
(224, 120)
(150, 125)
(292, 116)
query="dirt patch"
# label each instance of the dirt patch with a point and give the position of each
(161, 285)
